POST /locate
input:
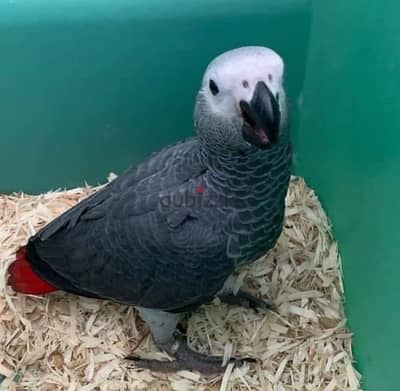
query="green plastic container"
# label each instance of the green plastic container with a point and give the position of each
(89, 86)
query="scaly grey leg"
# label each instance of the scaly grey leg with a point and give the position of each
(161, 326)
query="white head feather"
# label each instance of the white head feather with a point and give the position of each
(236, 74)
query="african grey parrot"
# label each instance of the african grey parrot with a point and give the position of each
(166, 236)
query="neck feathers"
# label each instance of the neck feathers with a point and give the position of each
(250, 166)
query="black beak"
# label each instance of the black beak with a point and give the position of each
(261, 117)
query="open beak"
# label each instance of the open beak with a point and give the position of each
(261, 117)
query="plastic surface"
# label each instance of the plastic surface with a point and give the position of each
(348, 149)
(93, 86)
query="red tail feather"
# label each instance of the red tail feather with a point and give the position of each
(24, 280)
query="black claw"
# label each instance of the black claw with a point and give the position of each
(246, 300)
(240, 361)
(133, 357)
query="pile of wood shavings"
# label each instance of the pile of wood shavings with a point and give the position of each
(64, 342)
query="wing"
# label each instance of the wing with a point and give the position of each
(163, 170)
(125, 243)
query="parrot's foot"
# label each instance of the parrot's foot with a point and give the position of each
(186, 359)
(246, 300)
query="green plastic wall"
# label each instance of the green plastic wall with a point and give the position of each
(92, 86)
(348, 149)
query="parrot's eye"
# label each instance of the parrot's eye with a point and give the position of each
(213, 87)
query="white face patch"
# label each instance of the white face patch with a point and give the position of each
(235, 74)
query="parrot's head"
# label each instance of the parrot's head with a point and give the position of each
(242, 102)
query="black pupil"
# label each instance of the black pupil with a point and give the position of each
(213, 87)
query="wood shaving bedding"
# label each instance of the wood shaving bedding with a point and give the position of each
(65, 342)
